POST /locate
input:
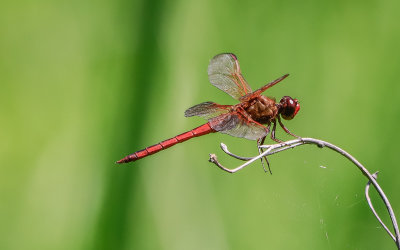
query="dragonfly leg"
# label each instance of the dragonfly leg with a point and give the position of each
(273, 133)
(286, 129)
(260, 142)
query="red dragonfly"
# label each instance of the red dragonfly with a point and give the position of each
(241, 120)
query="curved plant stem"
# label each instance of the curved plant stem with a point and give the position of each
(276, 148)
(375, 175)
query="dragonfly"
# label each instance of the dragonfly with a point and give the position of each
(252, 118)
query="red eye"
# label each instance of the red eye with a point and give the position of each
(297, 107)
(289, 107)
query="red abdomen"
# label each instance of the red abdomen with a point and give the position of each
(199, 131)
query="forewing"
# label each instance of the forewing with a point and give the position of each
(236, 125)
(207, 110)
(224, 73)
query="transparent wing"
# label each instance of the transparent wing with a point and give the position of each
(235, 124)
(207, 110)
(224, 73)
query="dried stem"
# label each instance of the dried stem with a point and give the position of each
(375, 175)
(276, 148)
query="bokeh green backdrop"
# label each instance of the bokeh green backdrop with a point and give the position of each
(83, 83)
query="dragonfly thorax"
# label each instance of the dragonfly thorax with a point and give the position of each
(262, 109)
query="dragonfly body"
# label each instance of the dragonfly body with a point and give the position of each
(244, 119)
(199, 131)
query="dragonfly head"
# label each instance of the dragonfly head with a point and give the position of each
(288, 107)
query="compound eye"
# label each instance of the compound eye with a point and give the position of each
(297, 108)
(289, 107)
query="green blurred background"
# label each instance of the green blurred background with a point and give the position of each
(84, 83)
